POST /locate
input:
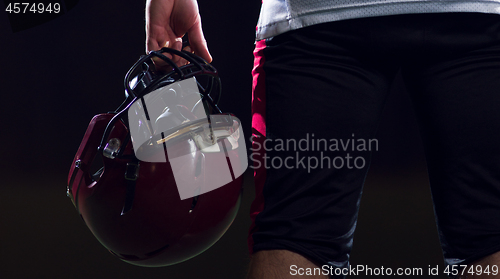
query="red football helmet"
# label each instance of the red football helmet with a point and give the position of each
(172, 163)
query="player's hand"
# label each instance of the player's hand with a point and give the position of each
(167, 21)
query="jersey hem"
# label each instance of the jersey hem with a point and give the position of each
(352, 12)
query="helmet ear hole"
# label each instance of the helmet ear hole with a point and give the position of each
(97, 175)
(96, 168)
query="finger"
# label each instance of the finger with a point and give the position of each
(198, 42)
(158, 61)
(177, 45)
(151, 45)
(182, 60)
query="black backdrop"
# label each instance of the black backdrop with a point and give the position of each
(55, 76)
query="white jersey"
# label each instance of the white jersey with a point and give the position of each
(279, 16)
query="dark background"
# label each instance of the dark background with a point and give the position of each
(55, 76)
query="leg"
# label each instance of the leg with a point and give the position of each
(306, 87)
(455, 90)
(281, 264)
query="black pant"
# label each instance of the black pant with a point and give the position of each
(330, 81)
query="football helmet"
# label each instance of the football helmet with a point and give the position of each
(172, 163)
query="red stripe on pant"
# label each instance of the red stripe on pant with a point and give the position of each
(258, 133)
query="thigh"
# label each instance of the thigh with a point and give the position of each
(456, 93)
(316, 107)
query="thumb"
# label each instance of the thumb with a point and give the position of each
(198, 43)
